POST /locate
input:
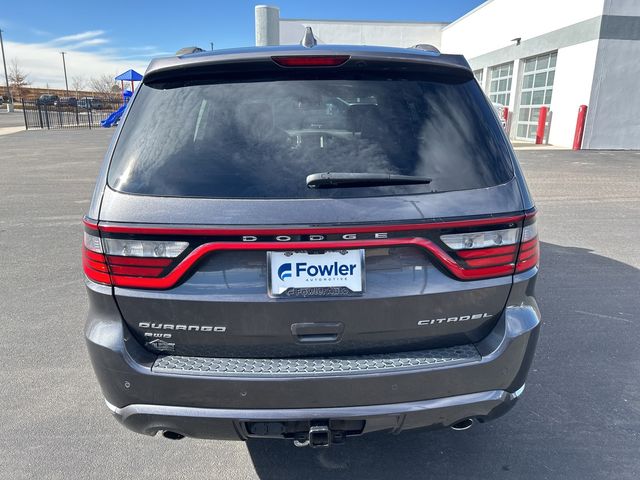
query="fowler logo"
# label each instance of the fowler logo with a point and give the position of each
(284, 271)
(302, 268)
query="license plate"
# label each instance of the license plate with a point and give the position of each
(307, 274)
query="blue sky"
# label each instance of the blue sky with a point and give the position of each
(117, 36)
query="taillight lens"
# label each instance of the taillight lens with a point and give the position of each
(127, 262)
(143, 248)
(116, 255)
(132, 260)
(529, 255)
(492, 238)
(94, 262)
(495, 253)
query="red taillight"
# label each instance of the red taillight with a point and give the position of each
(126, 261)
(481, 254)
(94, 262)
(137, 256)
(484, 253)
(139, 262)
(311, 60)
(134, 271)
(96, 271)
(135, 267)
(529, 255)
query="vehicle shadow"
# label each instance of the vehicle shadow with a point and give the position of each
(579, 415)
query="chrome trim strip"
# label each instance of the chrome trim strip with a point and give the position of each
(518, 392)
(115, 410)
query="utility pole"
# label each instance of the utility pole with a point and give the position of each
(6, 76)
(211, 45)
(64, 65)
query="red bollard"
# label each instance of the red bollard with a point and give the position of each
(582, 117)
(542, 123)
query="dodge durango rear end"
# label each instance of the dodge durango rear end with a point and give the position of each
(310, 244)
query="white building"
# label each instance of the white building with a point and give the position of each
(555, 53)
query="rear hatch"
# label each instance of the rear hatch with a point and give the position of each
(217, 246)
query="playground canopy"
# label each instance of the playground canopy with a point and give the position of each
(129, 76)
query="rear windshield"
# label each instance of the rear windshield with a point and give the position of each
(262, 139)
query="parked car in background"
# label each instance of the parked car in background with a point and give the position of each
(90, 102)
(97, 104)
(66, 102)
(47, 99)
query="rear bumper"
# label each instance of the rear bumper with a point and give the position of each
(231, 424)
(219, 406)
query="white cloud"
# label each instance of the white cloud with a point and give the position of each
(79, 36)
(80, 40)
(88, 43)
(43, 63)
(40, 33)
(144, 56)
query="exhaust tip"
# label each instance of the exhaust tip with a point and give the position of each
(465, 424)
(172, 435)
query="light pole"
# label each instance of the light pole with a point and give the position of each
(6, 77)
(64, 66)
(211, 45)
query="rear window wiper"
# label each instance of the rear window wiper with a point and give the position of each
(346, 180)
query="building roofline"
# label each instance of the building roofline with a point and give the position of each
(324, 20)
(469, 13)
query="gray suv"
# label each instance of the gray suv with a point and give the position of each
(310, 243)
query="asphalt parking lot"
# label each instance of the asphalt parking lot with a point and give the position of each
(579, 417)
(10, 122)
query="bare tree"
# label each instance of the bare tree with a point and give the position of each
(77, 84)
(18, 78)
(102, 84)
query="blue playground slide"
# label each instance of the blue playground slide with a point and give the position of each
(112, 119)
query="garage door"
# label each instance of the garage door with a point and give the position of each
(536, 91)
(500, 85)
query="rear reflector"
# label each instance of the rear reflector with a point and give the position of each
(311, 61)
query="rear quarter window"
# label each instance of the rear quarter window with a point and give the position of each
(261, 139)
